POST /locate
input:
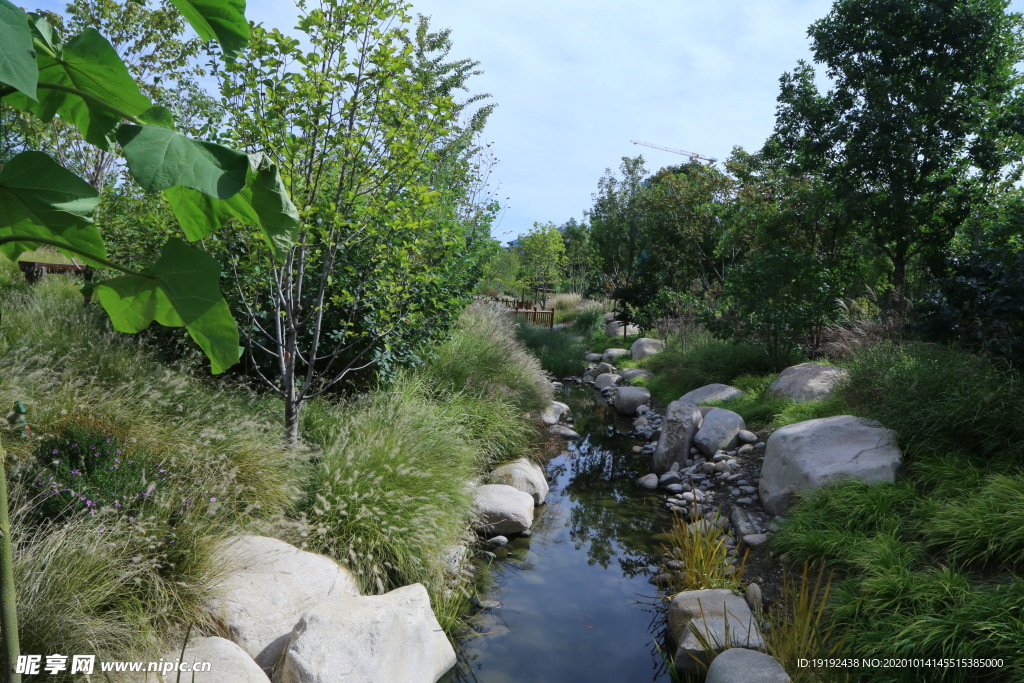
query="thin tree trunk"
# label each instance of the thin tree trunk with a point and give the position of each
(8, 595)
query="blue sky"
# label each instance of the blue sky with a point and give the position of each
(576, 80)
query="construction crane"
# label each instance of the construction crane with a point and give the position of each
(675, 151)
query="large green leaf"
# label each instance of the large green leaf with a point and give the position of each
(182, 289)
(264, 202)
(40, 198)
(87, 84)
(160, 158)
(18, 67)
(220, 20)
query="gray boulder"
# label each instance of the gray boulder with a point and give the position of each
(614, 329)
(740, 665)
(607, 379)
(718, 432)
(628, 399)
(553, 413)
(564, 432)
(711, 392)
(603, 367)
(611, 354)
(525, 475)
(682, 420)
(502, 509)
(645, 346)
(648, 481)
(706, 622)
(393, 637)
(806, 455)
(228, 663)
(807, 382)
(266, 587)
(630, 374)
(593, 357)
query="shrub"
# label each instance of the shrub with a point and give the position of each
(589, 321)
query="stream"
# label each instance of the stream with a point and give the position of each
(576, 604)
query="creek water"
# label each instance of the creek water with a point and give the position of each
(575, 601)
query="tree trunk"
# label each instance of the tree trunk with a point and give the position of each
(8, 595)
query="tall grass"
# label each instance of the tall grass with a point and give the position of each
(392, 488)
(483, 357)
(940, 399)
(560, 352)
(698, 358)
(703, 550)
(109, 582)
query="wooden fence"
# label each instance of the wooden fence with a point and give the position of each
(526, 310)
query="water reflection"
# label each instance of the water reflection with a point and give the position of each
(576, 604)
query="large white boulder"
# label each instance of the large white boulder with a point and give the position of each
(806, 455)
(714, 617)
(628, 399)
(682, 420)
(607, 379)
(711, 392)
(228, 663)
(614, 329)
(807, 382)
(611, 354)
(266, 587)
(553, 413)
(740, 665)
(718, 431)
(524, 475)
(645, 346)
(502, 509)
(393, 637)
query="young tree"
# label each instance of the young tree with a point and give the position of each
(579, 269)
(543, 252)
(617, 230)
(923, 117)
(360, 117)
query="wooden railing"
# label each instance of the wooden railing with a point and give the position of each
(526, 310)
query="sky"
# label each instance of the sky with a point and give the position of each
(574, 81)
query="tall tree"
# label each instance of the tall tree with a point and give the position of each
(923, 115)
(579, 268)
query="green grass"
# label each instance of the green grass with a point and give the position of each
(128, 577)
(560, 352)
(928, 562)
(392, 486)
(483, 357)
(696, 359)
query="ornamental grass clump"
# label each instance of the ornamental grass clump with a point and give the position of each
(392, 488)
(483, 357)
(702, 549)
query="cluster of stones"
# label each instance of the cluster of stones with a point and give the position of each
(703, 458)
(505, 504)
(290, 616)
